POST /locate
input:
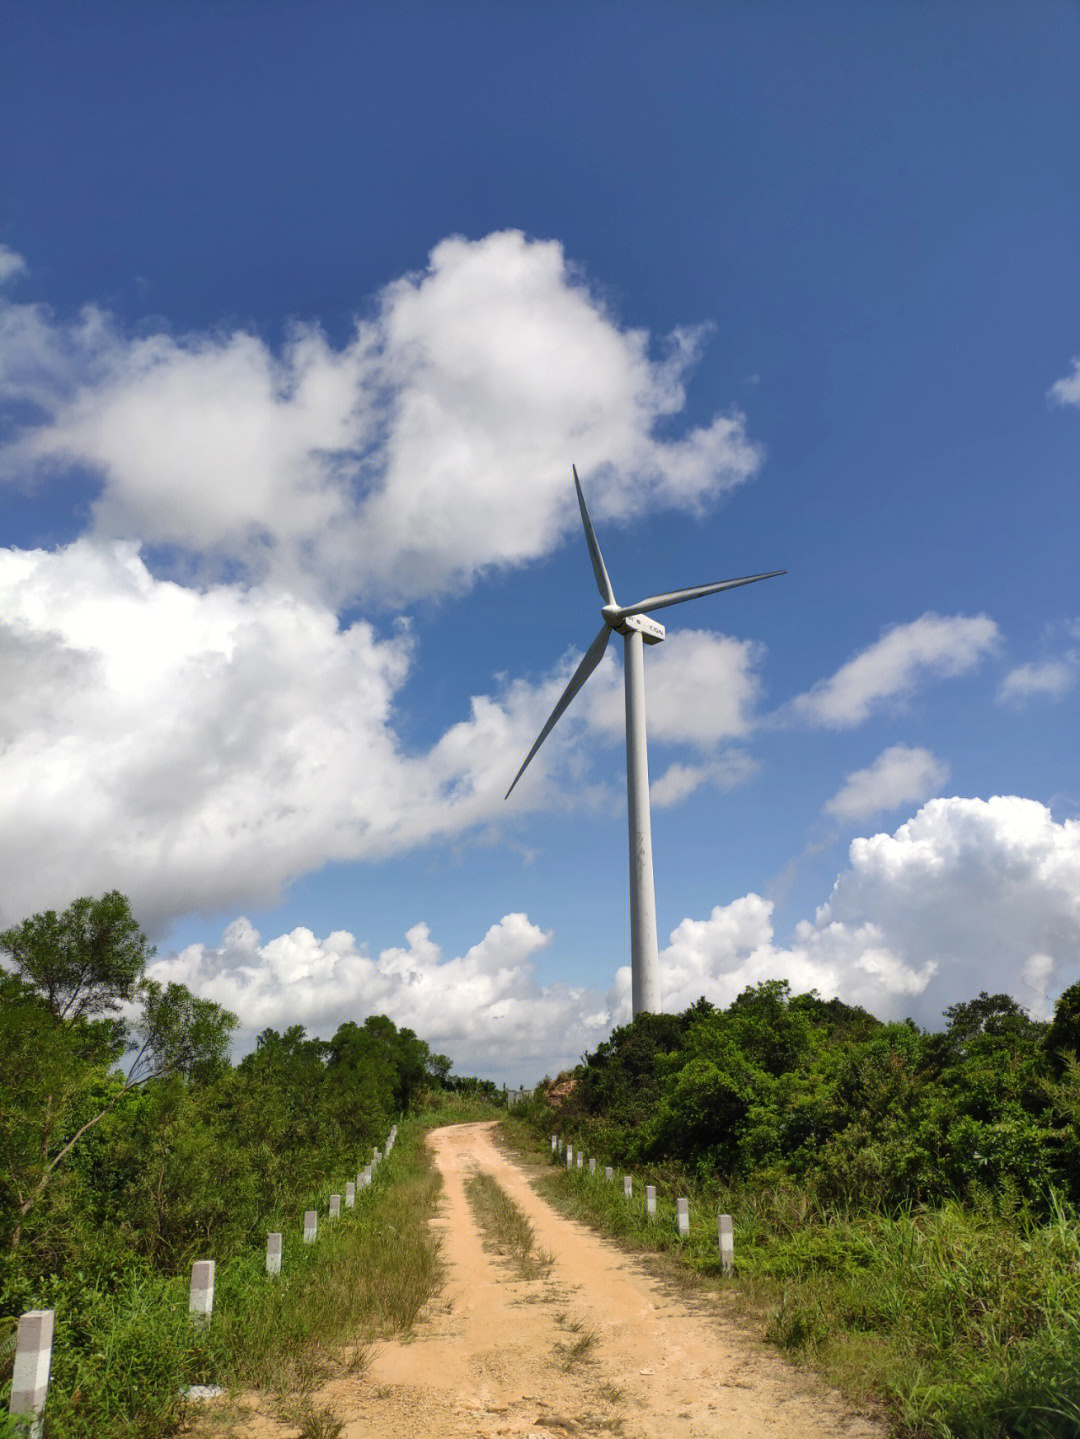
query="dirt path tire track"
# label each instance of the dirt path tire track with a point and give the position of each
(485, 1361)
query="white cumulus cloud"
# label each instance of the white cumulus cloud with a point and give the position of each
(203, 748)
(431, 447)
(11, 263)
(701, 688)
(679, 780)
(900, 775)
(889, 670)
(1066, 391)
(487, 1007)
(968, 895)
(1049, 679)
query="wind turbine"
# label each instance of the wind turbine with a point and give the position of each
(637, 630)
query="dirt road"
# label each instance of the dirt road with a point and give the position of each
(490, 1359)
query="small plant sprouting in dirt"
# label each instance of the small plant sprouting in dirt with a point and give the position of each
(312, 1422)
(505, 1228)
(612, 1424)
(579, 1350)
(613, 1393)
(359, 1360)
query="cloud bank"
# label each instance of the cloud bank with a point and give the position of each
(201, 748)
(434, 446)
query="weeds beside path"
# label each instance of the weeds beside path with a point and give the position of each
(123, 1361)
(964, 1322)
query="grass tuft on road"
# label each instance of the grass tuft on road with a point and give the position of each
(504, 1227)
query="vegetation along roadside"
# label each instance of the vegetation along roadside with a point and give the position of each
(131, 1147)
(904, 1204)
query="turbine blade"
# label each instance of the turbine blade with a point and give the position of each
(593, 655)
(603, 584)
(676, 597)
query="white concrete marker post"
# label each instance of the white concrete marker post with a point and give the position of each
(350, 1194)
(33, 1356)
(650, 1200)
(273, 1254)
(311, 1225)
(580, 1159)
(628, 1186)
(554, 1143)
(726, 1236)
(682, 1216)
(201, 1299)
(592, 1165)
(365, 1177)
(375, 1159)
(609, 1174)
(569, 1156)
(335, 1206)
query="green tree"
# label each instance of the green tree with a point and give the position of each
(1063, 1036)
(85, 961)
(59, 1080)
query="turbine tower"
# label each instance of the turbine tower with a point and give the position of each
(637, 630)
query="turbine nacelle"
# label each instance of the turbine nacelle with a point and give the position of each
(650, 630)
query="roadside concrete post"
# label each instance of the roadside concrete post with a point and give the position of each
(335, 1206)
(569, 1156)
(580, 1159)
(365, 1177)
(311, 1225)
(350, 1194)
(554, 1143)
(201, 1297)
(273, 1254)
(682, 1216)
(628, 1186)
(33, 1356)
(592, 1164)
(375, 1159)
(609, 1173)
(726, 1236)
(650, 1200)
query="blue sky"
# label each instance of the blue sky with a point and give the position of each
(308, 310)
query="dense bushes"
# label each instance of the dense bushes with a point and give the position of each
(904, 1203)
(868, 1114)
